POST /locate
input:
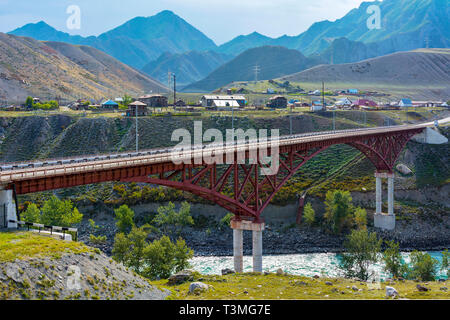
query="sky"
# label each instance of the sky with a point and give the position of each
(220, 20)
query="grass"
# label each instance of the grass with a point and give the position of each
(26, 245)
(251, 286)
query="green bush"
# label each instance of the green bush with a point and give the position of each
(360, 217)
(394, 263)
(338, 210)
(97, 240)
(158, 259)
(423, 266)
(56, 212)
(362, 249)
(168, 218)
(124, 218)
(32, 214)
(445, 265)
(309, 215)
(225, 221)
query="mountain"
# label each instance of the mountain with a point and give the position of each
(243, 43)
(51, 70)
(425, 70)
(188, 67)
(272, 61)
(405, 25)
(343, 50)
(136, 42)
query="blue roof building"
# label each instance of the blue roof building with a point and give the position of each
(110, 104)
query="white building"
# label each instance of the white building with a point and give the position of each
(215, 101)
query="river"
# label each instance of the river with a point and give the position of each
(322, 264)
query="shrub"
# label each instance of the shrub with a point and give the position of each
(32, 214)
(362, 249)
(60, 213)
(97, 240)
(394, 263)
(360, 218)
(168, 217)
(445, 265)
(423, 266)
(163, 257)
(309, 215)
(338, 209)
(124, 218)
(225, 221)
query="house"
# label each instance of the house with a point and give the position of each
(139, 107)
(270, 91)
(36, 100)
(315, 93)
(214, 101)
(277, 102)
(112, 105)
(344, 102)
(427, 104)
(154, 101)
(404, 103)
(118, 100)
(180, 103)
(352, 91)
(366, 103)
(316, 106)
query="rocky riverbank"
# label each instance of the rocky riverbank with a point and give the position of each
(414, 233)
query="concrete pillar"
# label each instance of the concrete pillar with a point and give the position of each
(378, 195)
(257, 228)
(8, 208)
(257, 251)
(238, 250)
(391, 195)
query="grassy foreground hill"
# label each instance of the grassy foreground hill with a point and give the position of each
(41, 267)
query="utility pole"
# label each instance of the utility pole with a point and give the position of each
(137, 131)
(256, 69)
(174, 89)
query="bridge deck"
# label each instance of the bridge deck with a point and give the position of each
(36, 170)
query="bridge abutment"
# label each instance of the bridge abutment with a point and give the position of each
(7, 209)
(382, 220)
(257, 228)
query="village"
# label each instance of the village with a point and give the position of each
(150, 104)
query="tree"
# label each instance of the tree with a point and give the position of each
(394, 263)
(124, 218)
(338, 209)
(360, 217)
(423, 266)
(309, 215)
(445, 264)
(127, 99)
(32, 214)
(168, 218)
(225, 221)
(121, 248)
(29, 102)
(163, 257)
(59, 213)
(362, 249)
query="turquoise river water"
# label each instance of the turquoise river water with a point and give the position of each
(322, 264)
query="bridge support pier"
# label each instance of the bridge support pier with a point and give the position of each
(238, 227)
(7, 209)
(382, 220)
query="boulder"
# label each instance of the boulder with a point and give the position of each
(354, 288)
(227, 271)
(280, 272)
(403, 169)
(391, 292)
(181, 277)
(198, 287)
(422, 288)
(328, 283)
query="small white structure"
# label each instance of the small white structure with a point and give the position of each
(405, 103)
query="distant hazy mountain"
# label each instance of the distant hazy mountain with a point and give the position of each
(51, 70)
(343, 50)
(405, 25)
(243, 43)
(188, 67)
(422, 67)
(137, 42)
(272, 62)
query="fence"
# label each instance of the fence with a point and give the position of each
(42, 227)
